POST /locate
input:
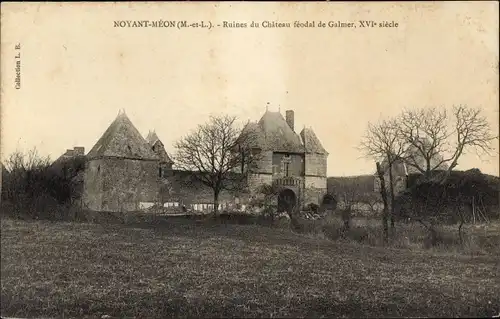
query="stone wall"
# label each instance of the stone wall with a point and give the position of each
(315, 165)
(315, 188)
(314, 196)
(123, 184)
(92, 185)
(399, 183)
(296, 167)
(315, 182)
(120, 184)
(196, 193)
(265, 162)
(182, 188)
(256, 180)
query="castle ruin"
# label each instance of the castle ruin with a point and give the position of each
(125, 171)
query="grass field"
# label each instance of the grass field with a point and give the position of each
(188, 269)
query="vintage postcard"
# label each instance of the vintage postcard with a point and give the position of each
(239, 159)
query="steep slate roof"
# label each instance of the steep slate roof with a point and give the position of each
(157, 144)
(311, 142)
(363, 183)
(274, 133)
(256, 136)
(152, 137)
(162, 154)
(122, 139)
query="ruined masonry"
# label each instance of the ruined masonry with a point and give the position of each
(124, 170)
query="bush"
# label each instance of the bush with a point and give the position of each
(439, 238)
(313, 208)
(410, 235)
(329, 202)
(436, 202)
(346, 216)
(38, 189)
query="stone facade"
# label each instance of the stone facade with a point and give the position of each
(401, 170)
(399, 176)
(119, 184)
(126, 172)
(121, 170)
(296, 162)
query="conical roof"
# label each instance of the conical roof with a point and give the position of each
(152, 137)
(160, 151)
(252, 135)
(311, 142)
(158, 147)
(122, 139)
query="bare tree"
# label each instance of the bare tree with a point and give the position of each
(383, 141)
(19, 161)
(472, 130)
(427, 134)
(383, 193)
(216, 153)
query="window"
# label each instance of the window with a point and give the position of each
(275, 169)
(159, 171)
(286, 165)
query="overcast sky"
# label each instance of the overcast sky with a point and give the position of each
(77, 70)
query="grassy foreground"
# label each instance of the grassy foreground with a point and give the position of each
(188, 269)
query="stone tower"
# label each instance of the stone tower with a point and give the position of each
(121, 171)
(295, 163)
(315, 178)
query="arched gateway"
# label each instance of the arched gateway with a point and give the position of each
(287, 200)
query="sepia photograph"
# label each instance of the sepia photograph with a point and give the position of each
(250, 159)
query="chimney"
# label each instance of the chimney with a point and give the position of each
(79, 151)
(290, 119)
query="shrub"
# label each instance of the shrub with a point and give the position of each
(38, 189)
(450, 202)
(313, 208)
(329, 202)
(346, 216)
